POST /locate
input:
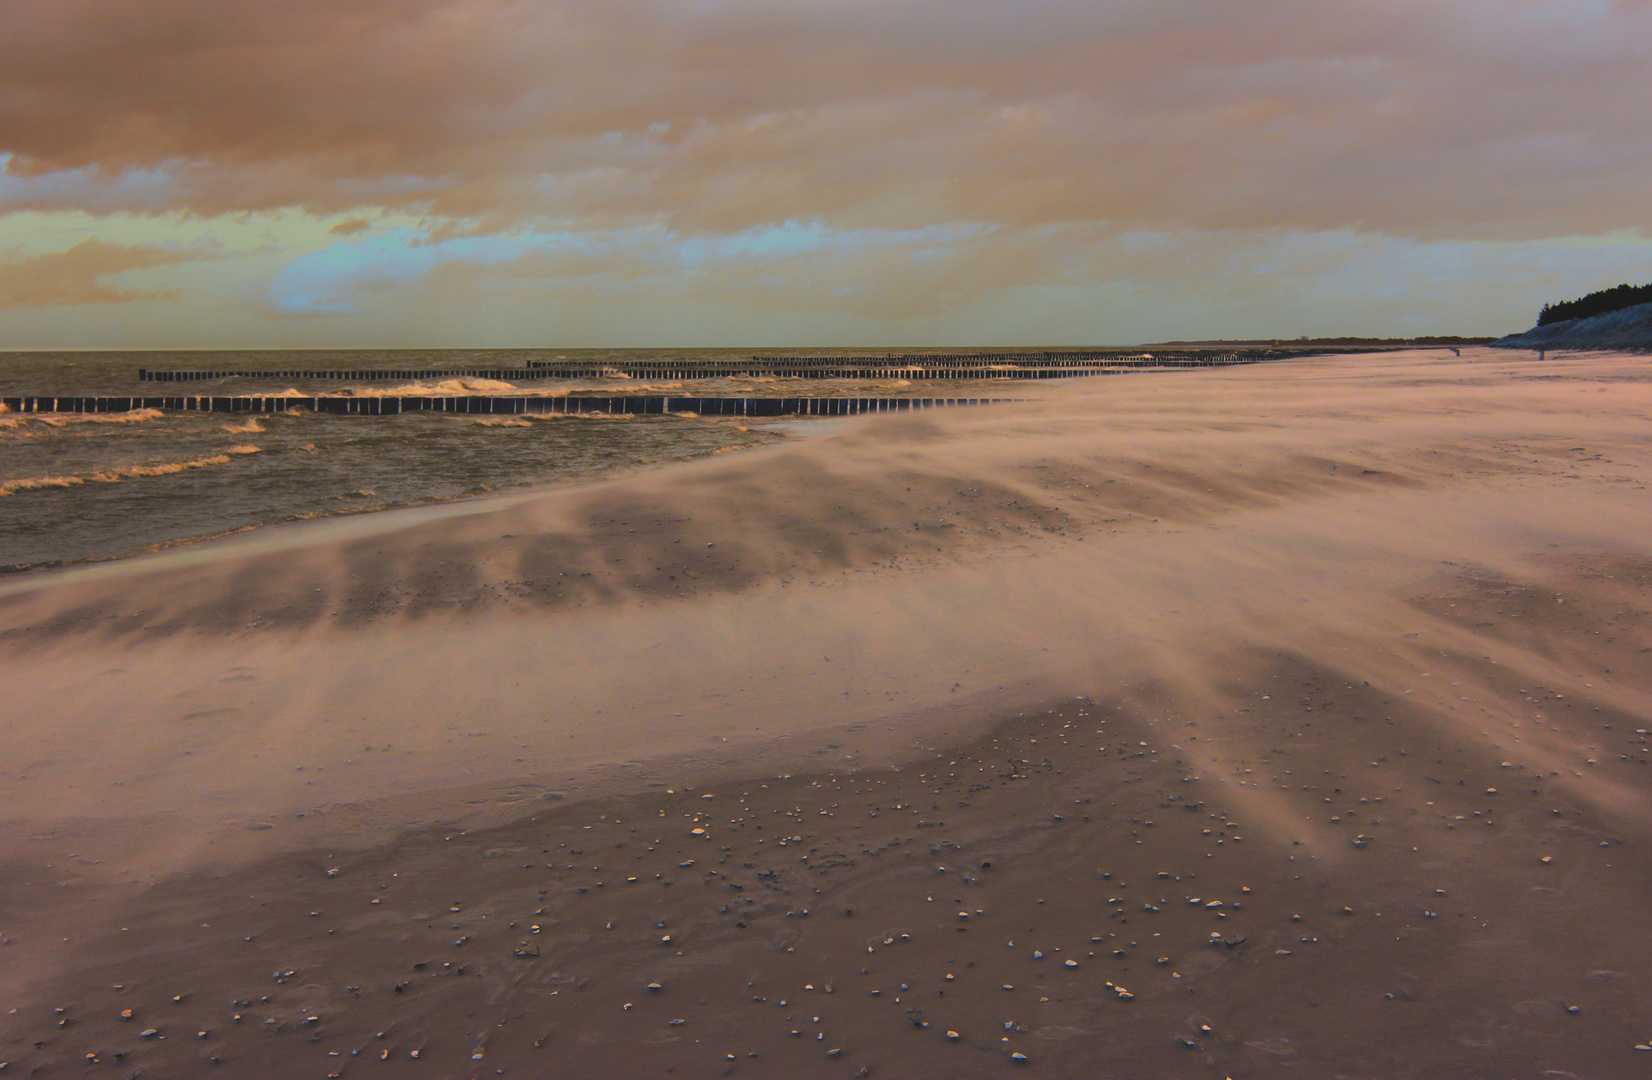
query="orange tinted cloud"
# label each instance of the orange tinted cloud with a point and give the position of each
(1467, 118)
(76, 276)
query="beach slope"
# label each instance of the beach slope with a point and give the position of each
(1238, 722)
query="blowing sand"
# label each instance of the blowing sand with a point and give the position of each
(1286, 720)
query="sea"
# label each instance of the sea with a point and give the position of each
(77, 488)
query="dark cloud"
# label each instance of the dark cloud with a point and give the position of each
(76, 276)
(1475, 118)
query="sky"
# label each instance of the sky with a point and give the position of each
(628, 173)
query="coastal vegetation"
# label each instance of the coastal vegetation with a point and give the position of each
(1596, 303)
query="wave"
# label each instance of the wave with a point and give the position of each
(34, 483)
(445, 388)
(529, 419)
(59, 420)
(653, 388)
(127, 472)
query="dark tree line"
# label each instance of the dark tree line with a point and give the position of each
(1596, 303)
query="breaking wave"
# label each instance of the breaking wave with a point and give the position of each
(59, 420)
(126, 472)
(447, 387)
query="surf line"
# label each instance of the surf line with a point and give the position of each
(490, 404)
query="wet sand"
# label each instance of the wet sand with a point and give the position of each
(1279, 721)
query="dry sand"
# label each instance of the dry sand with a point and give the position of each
(1286, 720)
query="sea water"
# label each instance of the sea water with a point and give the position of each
(79, 487)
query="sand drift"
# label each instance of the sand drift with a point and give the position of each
(1288, 714)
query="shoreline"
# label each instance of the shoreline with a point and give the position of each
(29, 577)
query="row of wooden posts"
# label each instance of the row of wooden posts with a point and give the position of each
(486, 404)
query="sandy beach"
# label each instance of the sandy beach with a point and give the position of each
(1285, 720)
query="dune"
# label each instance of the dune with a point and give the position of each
(1234, 722)
(1625, 330)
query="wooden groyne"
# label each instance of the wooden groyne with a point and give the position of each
(1053, 365)
(490, 405)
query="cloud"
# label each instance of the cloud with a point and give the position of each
(796, 239)
(328, 281)
(77, 276)
(325, 282)
(1509, 118)
(86, 188)
(1067, 284)
(888, 162)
